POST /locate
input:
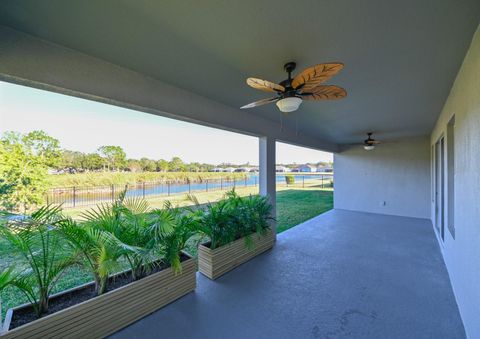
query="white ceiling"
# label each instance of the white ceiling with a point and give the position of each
(400, 57)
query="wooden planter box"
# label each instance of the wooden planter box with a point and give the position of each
(114, 310)
(214, 263)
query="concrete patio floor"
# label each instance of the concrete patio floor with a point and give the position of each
(341, 274)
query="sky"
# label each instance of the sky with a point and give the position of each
(84, 125)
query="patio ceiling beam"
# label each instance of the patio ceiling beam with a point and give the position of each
(27, 60)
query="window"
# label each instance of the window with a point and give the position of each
(451, 176)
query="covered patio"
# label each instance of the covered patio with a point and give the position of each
(399, 256)
(341, 274)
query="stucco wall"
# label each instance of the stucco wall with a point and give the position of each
(392, 179)
(462, 254)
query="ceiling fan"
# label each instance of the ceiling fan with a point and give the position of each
(369, 143)
(305, 86)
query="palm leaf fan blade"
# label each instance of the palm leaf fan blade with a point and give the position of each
(325, 92)
(265, 85)
(259, 103)
(315, 75)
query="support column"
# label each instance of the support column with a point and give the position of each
(267, 172)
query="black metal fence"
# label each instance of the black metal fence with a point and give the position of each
(305, 181)
(76, 196)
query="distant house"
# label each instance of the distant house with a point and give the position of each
(68, 170)
(324, 169)
(282, 169)
(242, 169)
(216, 169)
(229, 169)
(54, 171)
(307, 168)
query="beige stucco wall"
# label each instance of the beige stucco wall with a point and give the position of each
(462, 253)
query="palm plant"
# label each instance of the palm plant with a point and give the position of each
(152, 236)
(254, 215)
(38, 241)
(6, 278)
(95, 242)
(234, 217)
(98, 249)
(95, 248)
(111, 232)
(171, 228)
(134, 229)
(217, 224)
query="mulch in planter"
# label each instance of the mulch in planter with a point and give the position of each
(61, 301)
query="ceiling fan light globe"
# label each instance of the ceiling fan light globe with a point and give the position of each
(289, 104)
(369, 147)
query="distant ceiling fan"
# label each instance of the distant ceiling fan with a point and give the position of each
(370, 143)
(305, 86)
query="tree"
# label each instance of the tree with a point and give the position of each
(78, 161)
(43, 146)
(148, 165)
(24, 163)
(134, 165)
(193, 167)
(93, 161)
(162, 165)
(176, 165)
(72, 160)
(115, 157)
(206, 167)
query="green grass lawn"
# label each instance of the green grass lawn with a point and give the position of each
(294, 206)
